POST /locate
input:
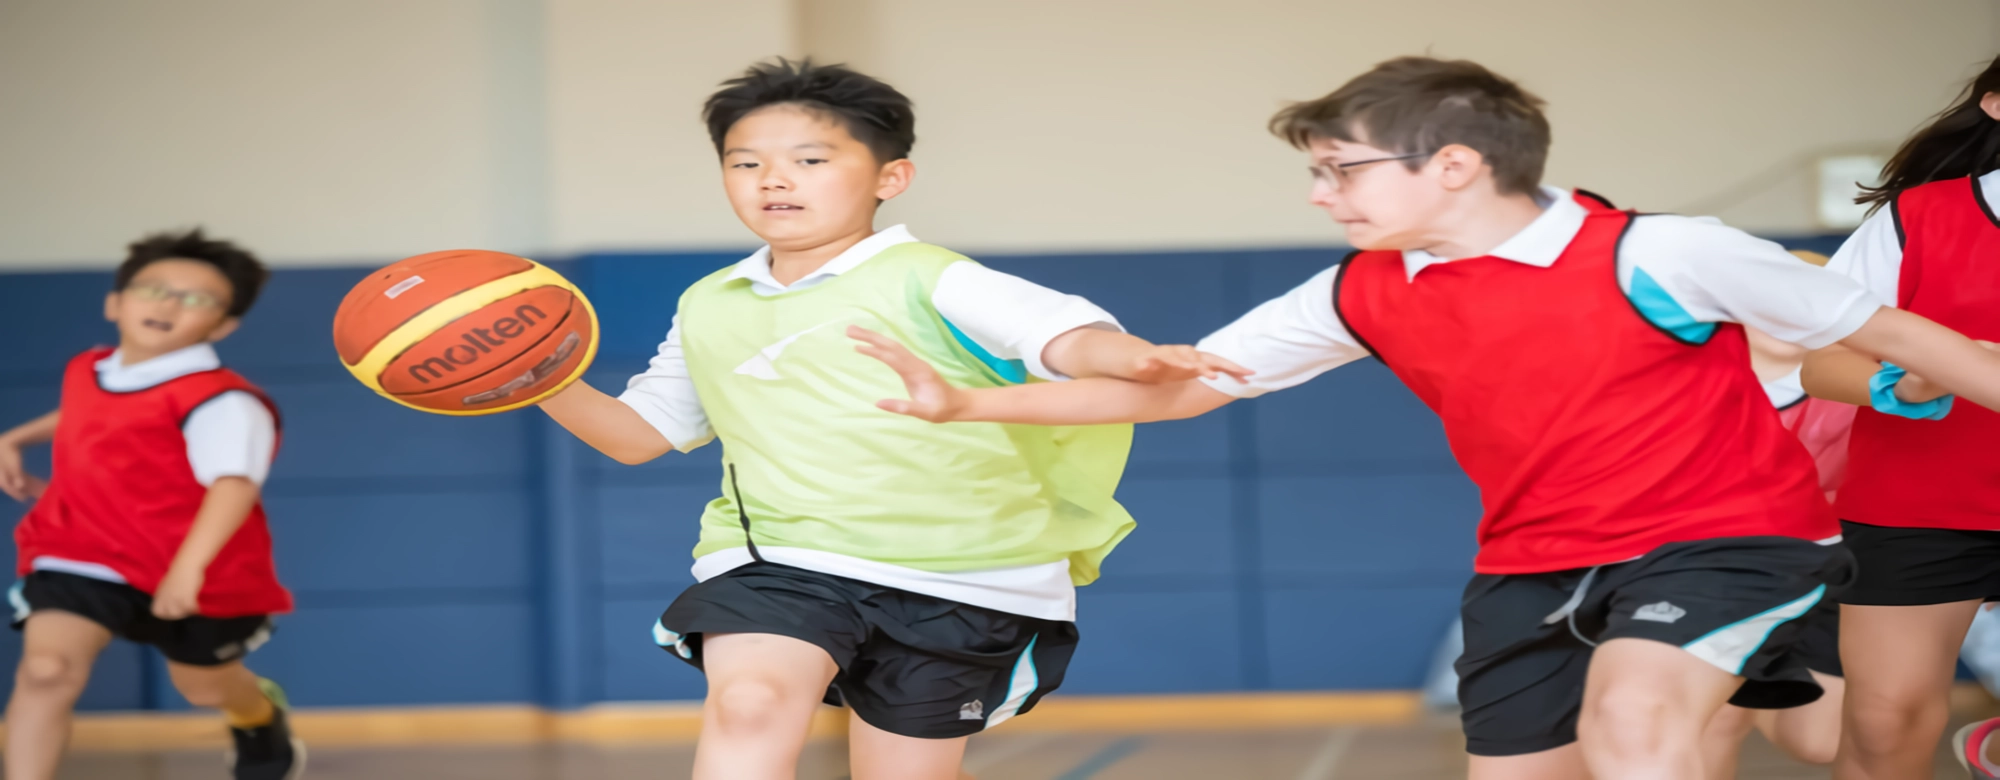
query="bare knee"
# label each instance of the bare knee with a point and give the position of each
(751, 706)
(51, 673)
(1635, 722)
(1817, 749)
(1880, 724)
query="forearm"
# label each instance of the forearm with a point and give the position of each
(1090, 402)
(1941, 356)
(1091, 352)
(40, 430)
(1838, 373)
(606, 424)
(223, 510)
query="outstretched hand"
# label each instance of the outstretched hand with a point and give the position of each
(931, 398)
(1177, 362)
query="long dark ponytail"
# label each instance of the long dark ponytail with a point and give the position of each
(1959, 141)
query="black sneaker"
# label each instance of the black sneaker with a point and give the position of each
(268, 752)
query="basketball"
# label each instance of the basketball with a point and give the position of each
(465, 332)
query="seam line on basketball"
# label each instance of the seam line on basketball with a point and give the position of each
(378, 357)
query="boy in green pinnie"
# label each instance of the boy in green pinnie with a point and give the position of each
(922, 575)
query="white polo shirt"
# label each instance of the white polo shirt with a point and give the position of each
(1873, 255)
(232, 435)
(1684, 273)
(1011, 318)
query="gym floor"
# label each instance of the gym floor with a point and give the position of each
(1428, 749)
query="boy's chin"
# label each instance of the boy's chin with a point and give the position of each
(155, 342)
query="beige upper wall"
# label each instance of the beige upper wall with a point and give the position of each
(372, 129)
(1112, 124)
(312, 131)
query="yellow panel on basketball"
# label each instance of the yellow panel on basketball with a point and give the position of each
(466, 332)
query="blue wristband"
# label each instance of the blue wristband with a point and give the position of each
(1882, 396)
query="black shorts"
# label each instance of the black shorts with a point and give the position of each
(1734, 603)
(1818, 645)
(128, 612)
(1908, 567)
(910, 664)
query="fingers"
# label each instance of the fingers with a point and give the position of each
(1226, 366)
(1173, 363)
(170, 609)
(887, 350)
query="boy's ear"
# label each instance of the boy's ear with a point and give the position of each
(1459, 166)
(111, 306)
(222, 329)
(894, 178)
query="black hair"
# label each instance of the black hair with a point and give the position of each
(1418, 105)
(1959, 141)
(873, 112)
(245, 274)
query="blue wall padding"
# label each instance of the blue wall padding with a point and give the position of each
(1316, 538)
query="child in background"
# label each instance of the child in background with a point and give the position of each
(150, 527)
(1921, 504)
(922, 575)
(1810, 733)
(1652, 532)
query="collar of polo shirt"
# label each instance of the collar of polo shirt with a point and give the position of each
(1538, 244)
(757, 267)
(118, 378)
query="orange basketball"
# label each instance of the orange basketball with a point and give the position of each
(465, 332)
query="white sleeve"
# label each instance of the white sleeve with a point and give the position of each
(1011, 317)
(1873, 256)
(231, 435)
(1716, 273)
(1287, 340)
(664, 396)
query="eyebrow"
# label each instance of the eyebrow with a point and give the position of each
(807, 145)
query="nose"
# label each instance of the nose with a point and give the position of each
(774, 180)
(1324, 193)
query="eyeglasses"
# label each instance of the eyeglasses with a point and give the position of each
(1338, 175)
(188, 299)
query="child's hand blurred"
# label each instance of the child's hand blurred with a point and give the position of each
(931, 398)
(179, 593)
(15, 481)
(1177, 362)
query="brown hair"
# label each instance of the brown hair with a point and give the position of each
(1960, 141)
(1418, 105)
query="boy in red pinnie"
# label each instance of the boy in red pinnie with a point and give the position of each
(150, 527)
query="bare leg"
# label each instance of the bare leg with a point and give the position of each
(1563, 763)
(1645, 706)
(1899, 663)
(1809, 734)
(762, 691)
(230, 687)
(1722, 743)
(879, 755)
(57, 651)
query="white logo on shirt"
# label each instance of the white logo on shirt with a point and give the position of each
(760, 365)
(972, 710)
(1661, 612)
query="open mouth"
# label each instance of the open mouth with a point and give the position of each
(161, 326)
